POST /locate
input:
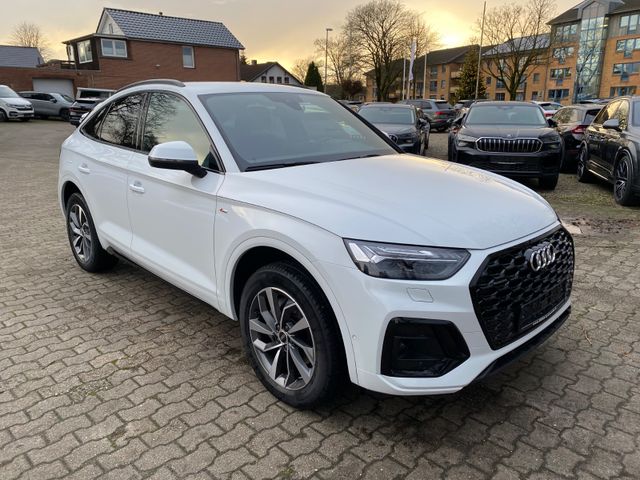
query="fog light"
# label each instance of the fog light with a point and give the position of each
(416, 347)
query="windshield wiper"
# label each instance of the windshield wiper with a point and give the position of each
(360, 156)
(269, 166)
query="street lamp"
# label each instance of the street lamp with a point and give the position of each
(326, 55)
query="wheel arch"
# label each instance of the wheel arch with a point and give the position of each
(634, 159)
(257, 252)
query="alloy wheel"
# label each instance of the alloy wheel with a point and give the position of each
(80, 232)
(282, 339)
(581, 163)
(621, 178)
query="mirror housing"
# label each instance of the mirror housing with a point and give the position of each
(53, 100)
(612, 124)
(176, 155)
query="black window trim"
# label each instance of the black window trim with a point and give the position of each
(139, 130)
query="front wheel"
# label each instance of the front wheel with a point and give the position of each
(64, 115)
(549, 182)
(3, 116)
(291, 336)
(623, 179)
(83, 238)
(582, 169)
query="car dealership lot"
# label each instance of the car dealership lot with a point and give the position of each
(124, 373)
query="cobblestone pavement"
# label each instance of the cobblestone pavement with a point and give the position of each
(122, 375)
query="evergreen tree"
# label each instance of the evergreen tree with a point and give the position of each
(313, 77)
(468, 75)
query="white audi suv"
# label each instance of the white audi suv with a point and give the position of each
(340, 255)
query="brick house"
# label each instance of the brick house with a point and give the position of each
(130, 46)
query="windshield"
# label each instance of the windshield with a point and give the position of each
(94, 94)
(390, 114)
(6, 92)
(505, 115)
(279, 129)
(66, 97)
(443, 106)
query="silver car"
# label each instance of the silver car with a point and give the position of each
(49, 104)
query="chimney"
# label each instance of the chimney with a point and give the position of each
(254, 62)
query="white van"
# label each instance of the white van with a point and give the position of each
(13, 106)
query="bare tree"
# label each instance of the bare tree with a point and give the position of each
(520, 38)
(28, 34)
(300, 67)
(381, 31)
(344, 59)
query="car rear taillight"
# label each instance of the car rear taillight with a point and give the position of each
(579, 130)
(440, 113)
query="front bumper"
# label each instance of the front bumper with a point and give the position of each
(410, 147)
(15, 113)
(370, 305)
(538, 164)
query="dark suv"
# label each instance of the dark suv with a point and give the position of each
(609, 149)
(438, 113)
(510, 138)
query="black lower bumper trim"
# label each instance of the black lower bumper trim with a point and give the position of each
(510, 357)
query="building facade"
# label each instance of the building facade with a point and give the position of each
(268, 72)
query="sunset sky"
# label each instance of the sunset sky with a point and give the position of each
(281, 30)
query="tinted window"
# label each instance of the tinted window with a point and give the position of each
(443, 106)
(590, 115)
(395, 115)
(622, 114)
(170, 118)
(267, 129)
(119, 125)
(562, 115)
(505, 115)
(92, 127)
(606, 113)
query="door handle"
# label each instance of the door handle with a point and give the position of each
(83, 168)
(136, 187)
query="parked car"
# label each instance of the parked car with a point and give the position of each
(572, 121)
(610, 149)
(352, 104)
(510, 138)
(462, 106)
(12, 106)
(337, 254)
(49, 104)
(86, 100)
(550, 108)
(438, 113)
(402, 123)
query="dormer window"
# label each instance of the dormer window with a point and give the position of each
(113, 48)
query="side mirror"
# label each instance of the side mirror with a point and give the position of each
(53, 100)
(177, 155)
(552, 123)
(612, 124)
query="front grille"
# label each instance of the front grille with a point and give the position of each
(507, 145)
(531, 165)
(510, 299)
(24, 108)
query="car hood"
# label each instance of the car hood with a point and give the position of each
(394, 128)
(399, 199)
(506, 131)
(16, 101)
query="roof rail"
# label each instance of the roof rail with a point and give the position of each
(156, 81)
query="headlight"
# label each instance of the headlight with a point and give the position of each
(406, 262)
(551, 142)
(408, 137)
(466, 140)
(13, 105)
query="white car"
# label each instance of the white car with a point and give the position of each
(13, 106)
(337, 253)
(549, 108)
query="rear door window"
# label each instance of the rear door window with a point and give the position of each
(589, 116)
(443, 106)
(119, 126)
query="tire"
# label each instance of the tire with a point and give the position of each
(623, 182)
(64, 114)
(549, 182)
(307, 367)
(3, 116)
(582, 168)
(83, 238)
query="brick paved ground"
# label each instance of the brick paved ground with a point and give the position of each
(123, 376)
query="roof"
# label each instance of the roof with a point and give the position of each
(250, 71)
(519, 44)
(164, 28)
(448, 55)
(569, 16)
(628, 6)
(574, 14)
(11, 56)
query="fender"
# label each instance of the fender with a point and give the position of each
(226, 289)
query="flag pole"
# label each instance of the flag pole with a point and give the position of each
(484, 11)
(404, 74)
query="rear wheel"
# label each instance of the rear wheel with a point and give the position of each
(3, 116)
(83, 238)
(64, 115)
(582, 170)
(623, 179)
(291, 336)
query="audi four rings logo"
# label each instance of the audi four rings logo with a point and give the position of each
(540, 256)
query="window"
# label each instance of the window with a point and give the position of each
(444, 69)
(120, 123)
(263, 79)
(70, 53)
(433, 71)
(499, 84)
(560, 73)
(170, 118)
(188, 61)
(271, 80)
(113, 48)
(92, 127)
(488, 80)
(565, 33)
(536, 78)
(279, 80)
(628, 46)
(562, 53)
(500, 96)
(286, 80)
(534, 95)
(629, 24)
(620, 91)
(433, 85)
(84, 52)
(622, 114)
(558, 94)
(606, 113)
(443, 84)
(626, 68)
